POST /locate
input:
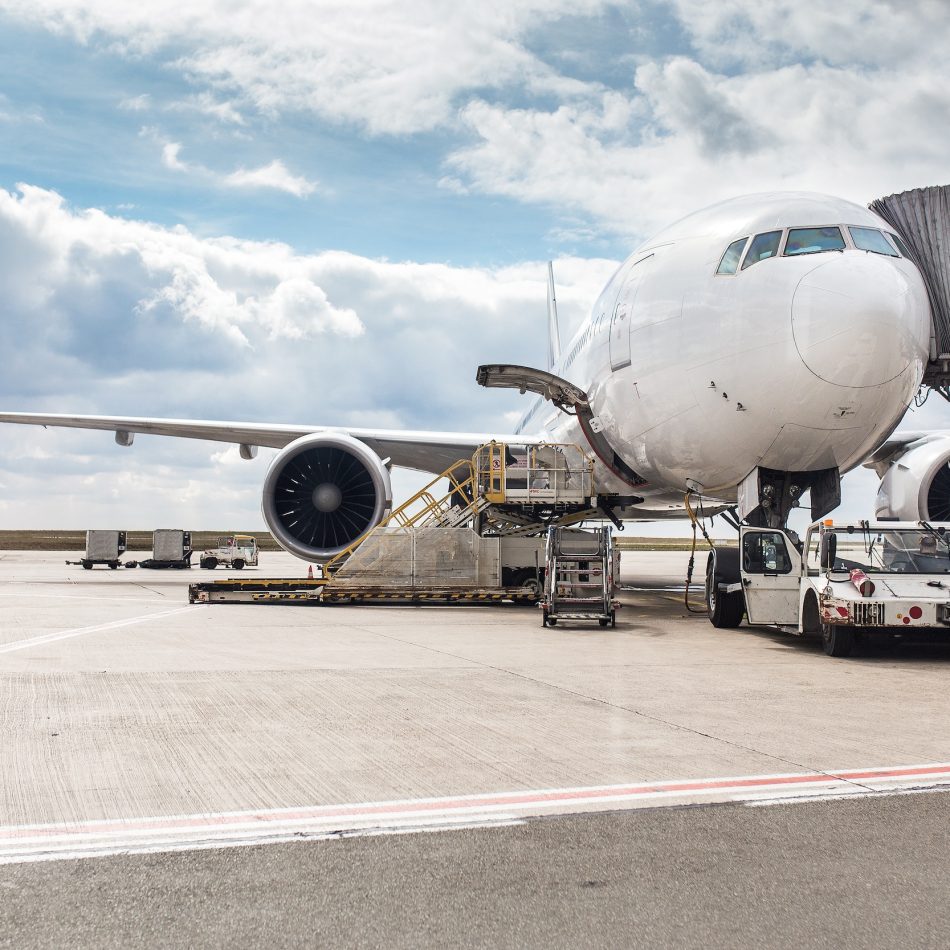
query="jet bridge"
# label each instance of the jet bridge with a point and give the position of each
(921, 217)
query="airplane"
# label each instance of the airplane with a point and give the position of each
(749, 353)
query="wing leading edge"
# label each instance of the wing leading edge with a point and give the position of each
(426, 451)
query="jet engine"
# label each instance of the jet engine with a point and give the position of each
(916, 486)
(323, 492)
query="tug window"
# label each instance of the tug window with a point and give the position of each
(764, 552)
(870, 239)
(730, 260)
(813, 241)
(762, 246)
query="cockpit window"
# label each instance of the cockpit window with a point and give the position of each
(813, 241)
(870, 239)
(762, 246)
(900, 245)
(730, 260)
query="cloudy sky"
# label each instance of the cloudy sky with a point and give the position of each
(331, 213)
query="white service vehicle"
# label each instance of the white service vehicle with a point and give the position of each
(236, 551)
(845, 582)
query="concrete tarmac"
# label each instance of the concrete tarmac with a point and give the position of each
(122, 707)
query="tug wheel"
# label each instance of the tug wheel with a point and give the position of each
(837, 640)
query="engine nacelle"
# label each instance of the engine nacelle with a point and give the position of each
(916, 486)
(323, 492)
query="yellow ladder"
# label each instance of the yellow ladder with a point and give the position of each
(426, 509)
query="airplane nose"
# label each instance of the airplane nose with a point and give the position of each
(856, 321)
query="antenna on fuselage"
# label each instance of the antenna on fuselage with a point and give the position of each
(554, 336)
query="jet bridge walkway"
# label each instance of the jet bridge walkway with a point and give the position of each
(922, 218)
(465, 538)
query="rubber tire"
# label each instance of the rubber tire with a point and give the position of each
(837, 640)
(113, 566)
(811, 618)
(603, 621)
(725, 611)
(86, 566)
(238, 564)
(534, 585)
(552, 621)
(210, 563)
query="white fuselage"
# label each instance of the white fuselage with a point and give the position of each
(795, 362)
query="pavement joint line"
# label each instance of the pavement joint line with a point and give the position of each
(595, 699)
(101, 837)
(121, 600)
(82, 631)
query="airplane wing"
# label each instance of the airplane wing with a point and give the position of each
(427, 451)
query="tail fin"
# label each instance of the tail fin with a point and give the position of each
(554, 336)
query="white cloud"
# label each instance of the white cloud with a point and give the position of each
(15, 114)
(274, 175)
(170, 159)
(391, 68)
(206, 104)
(105, 315)
(686, 137)
(140, 103)
(876, 33)
(238, 289)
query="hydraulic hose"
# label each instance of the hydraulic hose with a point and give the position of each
(696, 523)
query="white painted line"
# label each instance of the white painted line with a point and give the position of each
(70, 840)
(126, 598)
(82, 631)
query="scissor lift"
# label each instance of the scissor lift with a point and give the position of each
(464, 538)
(580, 569)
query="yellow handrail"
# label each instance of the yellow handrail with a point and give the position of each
(404, 517)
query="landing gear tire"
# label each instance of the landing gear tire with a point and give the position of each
(837, 640)
(725, 610)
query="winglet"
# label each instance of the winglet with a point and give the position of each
(554, 336)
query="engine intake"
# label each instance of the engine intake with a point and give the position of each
(323, 492)
(916, 486)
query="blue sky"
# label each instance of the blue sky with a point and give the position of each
(328, 213)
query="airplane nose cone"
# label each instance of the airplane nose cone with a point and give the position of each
(856, 321)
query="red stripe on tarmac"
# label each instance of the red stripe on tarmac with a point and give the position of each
(356, 811)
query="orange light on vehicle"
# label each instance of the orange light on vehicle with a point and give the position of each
(829, 522)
